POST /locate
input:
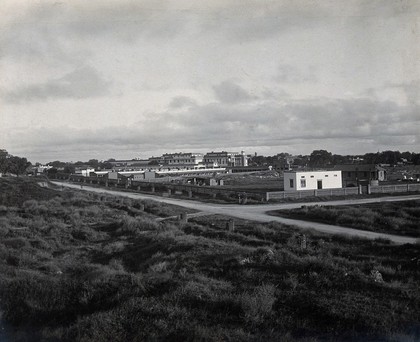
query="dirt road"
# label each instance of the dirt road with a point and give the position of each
(259, 212)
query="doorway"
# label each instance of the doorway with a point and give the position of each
(319, 184)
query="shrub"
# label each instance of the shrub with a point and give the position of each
(159, 267)
(135, 226)
(258, 304)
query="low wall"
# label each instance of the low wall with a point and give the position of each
(168, 189)
(379, 189)
(383, 189)
(311, 193)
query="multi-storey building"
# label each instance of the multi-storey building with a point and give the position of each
(182, 159)
(225, 159)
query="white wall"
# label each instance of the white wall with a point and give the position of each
(309, 180)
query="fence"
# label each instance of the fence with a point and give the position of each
(382, 189)
(311, 193)
(167, 189)
(343, 191)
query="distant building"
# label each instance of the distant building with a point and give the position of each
(361, 174)
(312, 180)
(181, 159)
(85, 172)
(40, 169)
(225, 159)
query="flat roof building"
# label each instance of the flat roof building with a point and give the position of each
(312, 180)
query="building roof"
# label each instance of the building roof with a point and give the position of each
(358, 167)
(309, 171)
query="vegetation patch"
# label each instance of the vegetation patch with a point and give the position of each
(400, 218)
(81, 267)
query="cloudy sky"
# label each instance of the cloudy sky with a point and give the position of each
(123, 79)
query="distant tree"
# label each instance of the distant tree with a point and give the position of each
(371, 158)
(69, 168)
(93, 163)
(57, 164)
(320, 158)
(52, 171)
(105, 165)
(17, 165)
(339, 159)
(415, 159)
(283, 155)
(3, 161)
(408, 156)
(301, 160)
(153, 162)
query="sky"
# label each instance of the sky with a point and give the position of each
(127, 79)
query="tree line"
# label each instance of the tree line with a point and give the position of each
(13, 164)
(319, 158)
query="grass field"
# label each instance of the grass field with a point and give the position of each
(80, 267)
(400, 218)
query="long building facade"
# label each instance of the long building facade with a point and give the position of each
(225, 159)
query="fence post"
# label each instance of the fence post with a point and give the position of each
(368, 189)
(315, 193)
(360, 189)
(183, 217)
(267, 196)
(230, 225)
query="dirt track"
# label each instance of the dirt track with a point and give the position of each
(259, 212)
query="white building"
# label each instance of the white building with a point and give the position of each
(182, 159)
(84, 172)
(312, 180)
(225, 159)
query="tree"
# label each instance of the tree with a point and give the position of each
(17, 165)
(51, 172)
(93, 163)
(320, 158)
(57, 164)
(69, 168)
(3, 161)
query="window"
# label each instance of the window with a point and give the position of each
(291, 183)
(302, 176)
(349, 174)
(303, 183)
(335, 175)
(312, 176)
(326, 175)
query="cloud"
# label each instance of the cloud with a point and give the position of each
(42, 28)
(229, 92)
(410, 89)
(83, 82)
(181, 102)
(287, 73)
(328, 124)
